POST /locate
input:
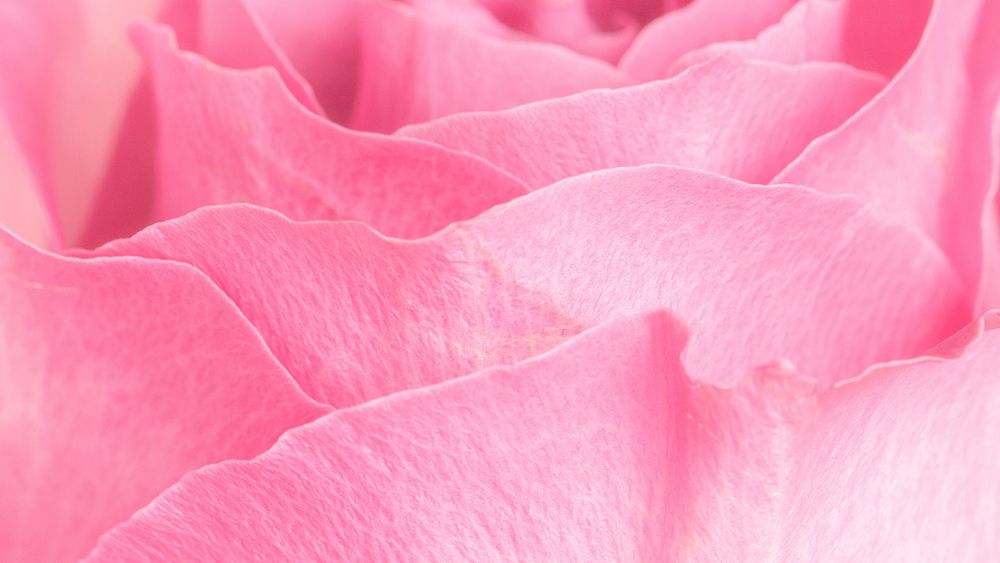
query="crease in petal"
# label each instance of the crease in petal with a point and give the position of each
(119, 376)
(820, 281)
(740, 118)
(230, 136)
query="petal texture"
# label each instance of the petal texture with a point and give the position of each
(118, 376)
(918, 153)
(743, 119)
(562, 458)
(415, 68)
(605, 450)
(237, 136)
(804, 276)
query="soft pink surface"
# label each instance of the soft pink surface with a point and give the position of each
(118, 376)
(919, 153)
(604, 450)
(230, 35)
(812, 30)
(696, 25)
(67, 75)
(237, 136)
(144, 386)
(414, 68)
(745, 119)
(320, 39)
(22, 205)
(355, 316)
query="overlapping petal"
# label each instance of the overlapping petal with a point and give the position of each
(918, 153)
(68, 75)
(566, 457)
(23, 209)
(604, 449)
(237, 136)
(355, 316)
(700, 23)
(414, 69)
(812, 30)
(118, 376)
(230, 35)
(744, 119)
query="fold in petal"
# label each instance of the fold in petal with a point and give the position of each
(118, 376)
(355, 316)
(605, 450)
(696, 25)
(237, 136)
(918, 153)
(566, 457)
(414, 69)
(743, 119)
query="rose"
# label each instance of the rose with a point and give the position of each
(203, 338)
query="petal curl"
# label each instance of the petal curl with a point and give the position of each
(118, 376)
(802, 275)
(743, 119)
(237, 136)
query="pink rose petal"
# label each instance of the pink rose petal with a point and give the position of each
(414, 68)
(740, 118)
(812, 30)
(696, 25)
(23, 209)
(989, 283)
(563, 458)
(919, 152)
(570, 23)
(229, 34)
(320, 39)
(68, 72)
(604, 450)
(802, 275)
(230, 136)
(118, 376)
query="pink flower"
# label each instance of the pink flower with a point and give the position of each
(454, 280)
